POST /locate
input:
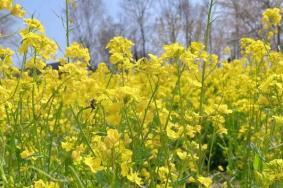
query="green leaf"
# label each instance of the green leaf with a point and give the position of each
(256, 162)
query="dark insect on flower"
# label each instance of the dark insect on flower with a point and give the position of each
(2, 57)
(93, 104)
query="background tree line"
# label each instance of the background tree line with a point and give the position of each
(153, 23)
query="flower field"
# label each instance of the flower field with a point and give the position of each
(180, 119)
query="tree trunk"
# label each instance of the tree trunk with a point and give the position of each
(279, 39)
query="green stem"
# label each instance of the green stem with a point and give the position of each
(210, 150)
(202, 92)
(67, 25)
(80, 183)
(48, 175)
(81, 129)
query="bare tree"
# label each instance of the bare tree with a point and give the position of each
(187, 19)
(179, 21)
(109, 30)
(137, 17)
(169, 21)
(243, 19)
(151, 24)
(87, 17)
(7, 34)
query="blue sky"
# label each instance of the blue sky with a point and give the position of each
(49, 12)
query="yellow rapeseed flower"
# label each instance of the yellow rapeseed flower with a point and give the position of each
(134, 177)
(205, 181)
(78, 53)
(271, 17)
(94, 164)
(112, 138)
(120, 50)
(33, 25)
(18, 11)
(26, 153)
(6, 4)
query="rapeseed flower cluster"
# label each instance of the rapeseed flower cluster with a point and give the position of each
(271, 20)
(14, 9)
